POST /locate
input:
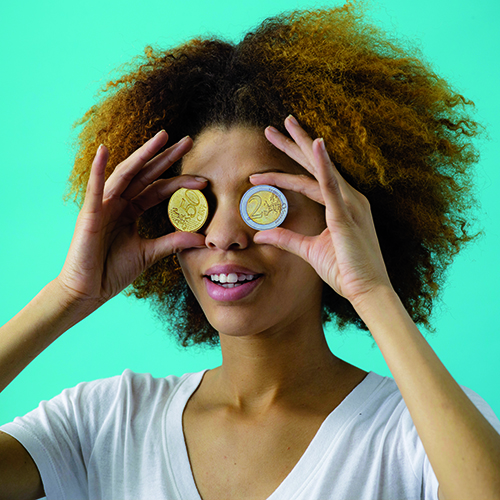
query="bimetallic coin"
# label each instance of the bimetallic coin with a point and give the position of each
(188, 210)
(263, 207)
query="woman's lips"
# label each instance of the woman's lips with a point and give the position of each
(219, 293)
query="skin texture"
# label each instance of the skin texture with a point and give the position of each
(16, 464)
(289, 288)
(272, 340)
(278, 378)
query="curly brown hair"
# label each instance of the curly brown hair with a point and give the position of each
(396, 131)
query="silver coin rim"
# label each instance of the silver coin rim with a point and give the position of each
(262, 227)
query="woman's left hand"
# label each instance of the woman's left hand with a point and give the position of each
(346, 255)
(466, 457)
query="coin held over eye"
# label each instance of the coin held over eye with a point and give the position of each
(188, 210)
(263, 207)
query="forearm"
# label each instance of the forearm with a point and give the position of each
(463, 448)
(35, 327)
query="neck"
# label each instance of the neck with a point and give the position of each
(286, 366)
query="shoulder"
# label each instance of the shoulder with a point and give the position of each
(89, 404)
(124, 392)
(129, 384)
(95, 424)
(386, 399)
(383, 416)
(379, 397)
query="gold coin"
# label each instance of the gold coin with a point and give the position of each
(188, 210)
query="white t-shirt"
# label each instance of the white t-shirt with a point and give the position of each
(121, 438)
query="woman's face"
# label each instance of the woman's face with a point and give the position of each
(278, 287)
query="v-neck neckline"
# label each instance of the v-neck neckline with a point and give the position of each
(304, 469)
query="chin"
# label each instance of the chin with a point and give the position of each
(235, 322)
(233, 325)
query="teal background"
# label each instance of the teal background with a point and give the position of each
(56, 55)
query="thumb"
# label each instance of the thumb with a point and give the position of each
(285, 239)
(175, 242)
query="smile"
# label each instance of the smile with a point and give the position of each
(232, 280)
(231, 287)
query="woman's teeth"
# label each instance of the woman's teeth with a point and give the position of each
(231, 280)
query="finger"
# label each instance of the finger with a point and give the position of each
(95, 185)
(332, 185)
(288, 146)
(162, 189)
(284, 239)
(157, 166)
(298, 183)
(176, 242)
(301, 138)
(125, 172)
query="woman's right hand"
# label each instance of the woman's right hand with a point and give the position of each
(106, 252)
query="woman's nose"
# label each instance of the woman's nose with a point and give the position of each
(227, 230)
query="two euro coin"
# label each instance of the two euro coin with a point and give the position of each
(263, 207)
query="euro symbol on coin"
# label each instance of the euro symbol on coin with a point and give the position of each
(188, 210)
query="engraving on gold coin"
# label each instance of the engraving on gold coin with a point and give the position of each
(263, 207)
(188, 210)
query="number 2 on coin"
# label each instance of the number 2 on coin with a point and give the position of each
(257, 201)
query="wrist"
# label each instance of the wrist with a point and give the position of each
(378, 304)
(69, 304)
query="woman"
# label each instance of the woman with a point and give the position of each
(282, 417)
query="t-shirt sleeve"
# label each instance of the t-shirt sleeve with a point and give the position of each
(59, 435)
(420, 460)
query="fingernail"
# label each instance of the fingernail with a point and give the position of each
(272, 130)
(158, 133)
(322, 144)
(183, 140)
(292, 119)
(100, 147)
(201, 179)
